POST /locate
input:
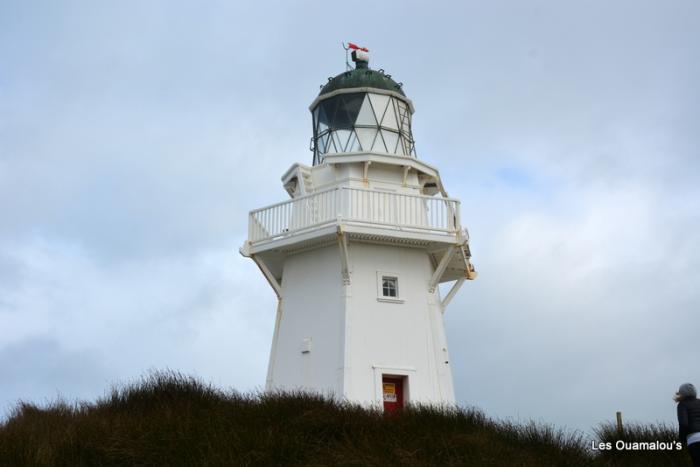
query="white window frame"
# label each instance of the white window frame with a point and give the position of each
(380, 289)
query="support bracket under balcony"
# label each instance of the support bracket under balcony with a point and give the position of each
(450, 295)
(344, 256)
(442, 265)
(274, 283)
(365, 172)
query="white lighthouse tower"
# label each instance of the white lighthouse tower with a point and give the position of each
(356, 255)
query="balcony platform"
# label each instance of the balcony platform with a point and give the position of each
(382, 234)
(367, 216)
(273, 251)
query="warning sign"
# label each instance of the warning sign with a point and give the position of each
(389, 392)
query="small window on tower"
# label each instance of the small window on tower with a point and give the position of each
(390, 287)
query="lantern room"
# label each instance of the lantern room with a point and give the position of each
(361, 110)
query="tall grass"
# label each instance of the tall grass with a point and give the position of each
(170, 419)
(639, 433)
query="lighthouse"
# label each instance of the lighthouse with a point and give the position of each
(357, 254)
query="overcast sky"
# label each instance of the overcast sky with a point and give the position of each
(135, 136)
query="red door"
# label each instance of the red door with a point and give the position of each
(392, 390)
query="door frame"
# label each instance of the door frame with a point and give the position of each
(408, 374)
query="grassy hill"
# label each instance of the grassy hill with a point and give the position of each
(170, 419)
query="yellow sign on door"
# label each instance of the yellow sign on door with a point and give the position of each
(389, 392)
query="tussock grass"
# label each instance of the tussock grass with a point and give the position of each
(640, 433)
(170, 419)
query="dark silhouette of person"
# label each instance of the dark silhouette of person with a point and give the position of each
(689, 420)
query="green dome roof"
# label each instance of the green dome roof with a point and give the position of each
(362, 78)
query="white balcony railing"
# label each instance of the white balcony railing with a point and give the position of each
(356, 205)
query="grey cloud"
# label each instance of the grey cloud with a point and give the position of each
(39, 370)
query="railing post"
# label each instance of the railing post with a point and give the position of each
(340, 202)
(458, 219)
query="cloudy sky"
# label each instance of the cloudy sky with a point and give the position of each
(135, 136)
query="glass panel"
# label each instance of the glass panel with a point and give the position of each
(338, 115)
(321, 143)
(353, 144)
(389, 287)
(322, 118)
(327, 111)
(330, 145)
(379, 103)
(366, 137)
(342, 110)
(391, 139)
(341, 139)
(333, 143)
(379, 143)
(366, 116)
(390, 116)
(401, 148)
(351, 104)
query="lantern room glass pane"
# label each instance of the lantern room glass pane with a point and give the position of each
(340, 111)
(390, 116)
(366, 116)
(341, 138)
(351, 104)
(321, 142)
(353, 144)
(391, 139)
(366, 137)
(322, 118)
(379, 144)
(330, 143)
(337, 147)
(328, 109)
(379, 104)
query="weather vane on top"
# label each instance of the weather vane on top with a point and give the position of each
(355, 49)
